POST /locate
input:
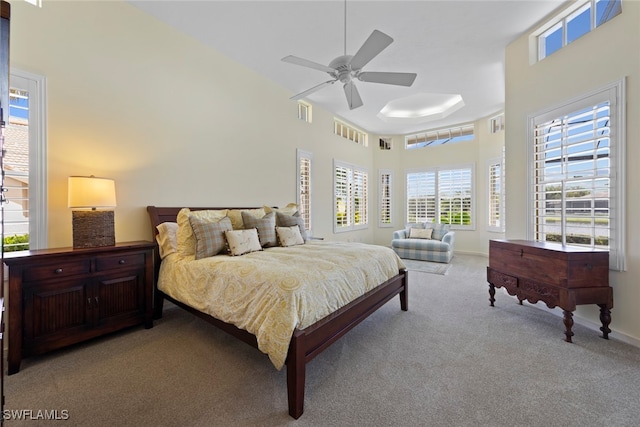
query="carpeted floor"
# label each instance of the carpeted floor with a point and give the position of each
(426, 266)
(451, 360)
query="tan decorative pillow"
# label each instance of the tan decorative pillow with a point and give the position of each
(236, 216)
(166, 238)
(210, 238)
(289, 236)
(290, 209)
(243, 241)
(186, 238)
(420, 233)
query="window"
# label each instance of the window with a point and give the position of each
(350, 197)
(385, 186)
(304, 187)
(574, 22)
(439, 137)
(495, 192)
(577, 173)
(24, 164)
(304, 111)
(444, 195)
(496, 124)
(385, 143)
(349, 132)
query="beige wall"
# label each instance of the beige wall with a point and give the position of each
(605, 55)
(176, 123)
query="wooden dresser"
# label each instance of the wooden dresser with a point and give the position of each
(562, 276)
(59, 297)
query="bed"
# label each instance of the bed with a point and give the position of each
(307, 336)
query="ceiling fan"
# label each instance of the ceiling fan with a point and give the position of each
(346, 68)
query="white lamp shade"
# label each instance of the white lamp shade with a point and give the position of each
(91, 192)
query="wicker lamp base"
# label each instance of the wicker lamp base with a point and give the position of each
(92, 229)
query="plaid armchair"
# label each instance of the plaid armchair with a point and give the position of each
(439, 248)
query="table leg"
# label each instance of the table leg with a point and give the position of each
(568, 324)
(492, 294)
(605, 318)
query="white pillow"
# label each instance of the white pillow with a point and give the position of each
(290, 209)
(420, 233)
(289, 236)
(243, 241)
(167, 238)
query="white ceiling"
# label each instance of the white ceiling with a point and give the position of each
(455, 47)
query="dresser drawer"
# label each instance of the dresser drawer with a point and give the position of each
(56, 270)
(119, 261)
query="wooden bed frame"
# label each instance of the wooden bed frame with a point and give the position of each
(305, 343)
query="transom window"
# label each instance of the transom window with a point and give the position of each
(580, 18)
(349, 132)
(432, 138)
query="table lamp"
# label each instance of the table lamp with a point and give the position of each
(92, 227)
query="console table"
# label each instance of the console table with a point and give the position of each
(558, 275)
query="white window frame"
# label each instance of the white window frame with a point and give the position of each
(355, 184)
(496, 124)
(349, 132)
(436, 137)
(561, 21)
(614, 93)
(495, 195)
(36, 86)
(304, 194)
(385, 198)
(435, 213)
(304, 112)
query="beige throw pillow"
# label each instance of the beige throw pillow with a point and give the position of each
(420, 233)
(289, 236)
(167, 238)
(242, 241)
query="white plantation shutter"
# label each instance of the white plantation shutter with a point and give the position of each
(304, 187)
(577, 174)
(495, 182)
(351, 188)
(385, 218)
(441, 195)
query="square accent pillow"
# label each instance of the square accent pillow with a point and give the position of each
(266, 226)
(420, 233)
(236, 216)
(242, 241)
(409, 226)
(284, 220)
(186, 238)
(210, 239)
(439, 230)
(167, 238)
(289, 236)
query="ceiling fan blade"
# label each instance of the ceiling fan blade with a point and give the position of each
(313, 89)
(375, 44)
(353, 97)
(306, 63)
(400, 79)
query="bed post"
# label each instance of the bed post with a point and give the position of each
(296, 374)
(404, 294)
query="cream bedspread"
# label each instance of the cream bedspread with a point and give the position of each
(272, 292)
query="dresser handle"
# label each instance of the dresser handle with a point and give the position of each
(121, 262)
(58, 270)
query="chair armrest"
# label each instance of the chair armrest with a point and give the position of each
(400, 234)
(449, 238)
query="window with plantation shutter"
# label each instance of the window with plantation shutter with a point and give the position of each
(304, 187)
(350, 197)
(495, 192)
(385, 199)
(577, 173)
(442, 195)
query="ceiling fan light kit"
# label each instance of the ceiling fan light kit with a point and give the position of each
(346, 68)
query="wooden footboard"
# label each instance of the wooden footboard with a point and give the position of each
(305, 343)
